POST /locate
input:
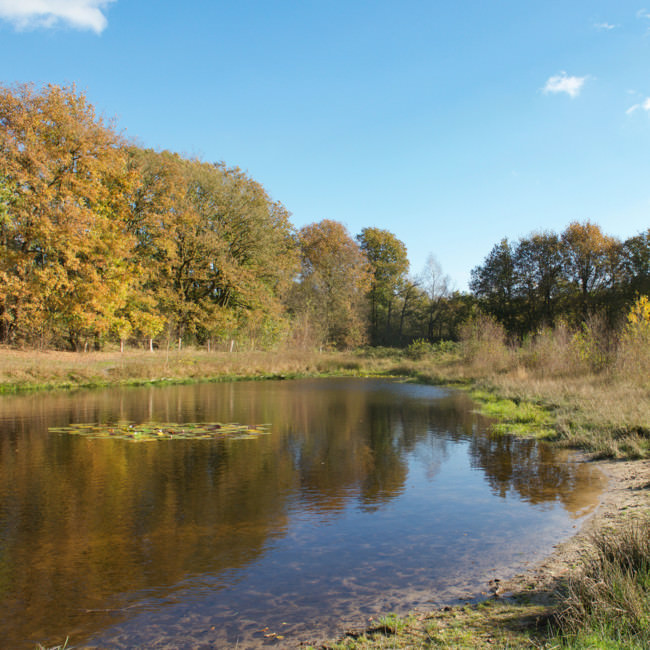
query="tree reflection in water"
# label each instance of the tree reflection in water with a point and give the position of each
(91, 528)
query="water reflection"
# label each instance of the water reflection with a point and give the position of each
(358, 484)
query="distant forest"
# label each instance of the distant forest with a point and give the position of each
(102, 241)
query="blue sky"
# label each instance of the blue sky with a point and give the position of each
(451, 124)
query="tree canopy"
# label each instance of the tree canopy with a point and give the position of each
(334, 280)
(104, 241)
(573, 275)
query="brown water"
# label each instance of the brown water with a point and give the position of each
(369, 496)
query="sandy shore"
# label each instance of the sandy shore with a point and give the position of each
(626, 496)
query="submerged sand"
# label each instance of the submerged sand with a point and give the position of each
(626, 497)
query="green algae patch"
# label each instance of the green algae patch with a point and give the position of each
(153, 431)
(515, 417)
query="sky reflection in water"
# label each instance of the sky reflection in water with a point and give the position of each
(368, 496)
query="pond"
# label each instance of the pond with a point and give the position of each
(365, 497)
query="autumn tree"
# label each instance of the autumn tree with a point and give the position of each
(65, 263)
(589, 262)
(221, 253)
(100, 239)
(334, 280)
(389, 265)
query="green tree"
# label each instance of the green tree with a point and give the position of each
(538, 266)
(636, 265)
(493, 283)
(389, 265)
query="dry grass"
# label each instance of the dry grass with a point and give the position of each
(608, 598)
(34, 369)
(595, 389)
(596, 393)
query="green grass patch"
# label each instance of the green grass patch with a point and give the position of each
(515, 417)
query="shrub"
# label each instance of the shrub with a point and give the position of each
(594, 344)
(483, 343)
(419, 349)
(633, 357)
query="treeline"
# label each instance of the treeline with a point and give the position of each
(572, 276)
(104, 241)
(101, 240)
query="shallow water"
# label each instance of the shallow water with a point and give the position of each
(368, 496)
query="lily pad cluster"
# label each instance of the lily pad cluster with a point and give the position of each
(165, 431)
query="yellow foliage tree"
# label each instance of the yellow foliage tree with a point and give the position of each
(634, 350)
(65, 260)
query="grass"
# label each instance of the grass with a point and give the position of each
(491, 624)
(608, 600)
(34, 370)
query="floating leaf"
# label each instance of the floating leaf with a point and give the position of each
(150, 431)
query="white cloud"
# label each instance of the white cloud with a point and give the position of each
(604, 26)
(80, 14)
(562, 83)
(643, 13)
(644, 105)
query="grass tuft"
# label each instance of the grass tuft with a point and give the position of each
(608, 600)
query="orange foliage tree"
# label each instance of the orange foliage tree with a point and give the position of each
(65, 266)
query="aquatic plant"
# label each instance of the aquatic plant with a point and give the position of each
(150, 431)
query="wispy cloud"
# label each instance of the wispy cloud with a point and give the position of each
(563, 83)
(604, 27)
(79, 14)
(644, 105)
(643, 13)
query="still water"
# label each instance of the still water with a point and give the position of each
(368, 496)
